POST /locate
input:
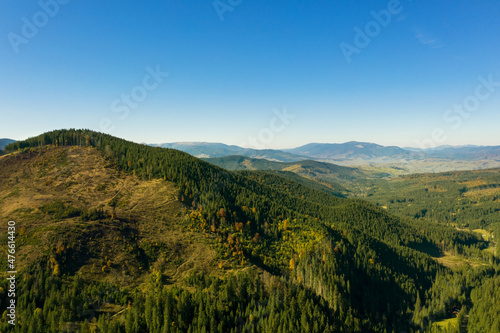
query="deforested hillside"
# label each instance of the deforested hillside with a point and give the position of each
(114, 236)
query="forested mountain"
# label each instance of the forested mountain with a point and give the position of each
(209, 149)
(466, 153)
(352, 150)
(246, 163)
(115, 236)
(464, 199)
(5, 142)
(336, 177)
(373, 152)
(394, 160)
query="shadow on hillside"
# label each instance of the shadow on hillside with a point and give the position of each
(427, 248)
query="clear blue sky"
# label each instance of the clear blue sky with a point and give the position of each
(228, 77)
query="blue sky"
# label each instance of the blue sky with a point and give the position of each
(233, 65)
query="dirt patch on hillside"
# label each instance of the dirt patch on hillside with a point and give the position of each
(48, 190)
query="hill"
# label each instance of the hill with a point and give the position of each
(5, 142)
(117, 236)
(336, 177)
(76, 197)
(208, 149)
(377, 158)
(353, 150)
(465, 199)
(396, 161)
(246, 163)
(469, 153)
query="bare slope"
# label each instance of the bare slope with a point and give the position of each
(90, 218)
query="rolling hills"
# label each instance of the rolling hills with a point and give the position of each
(208, 149)
(382, 159)
(469, 153)
(75, 192)
(465, 199)
(117, 236)
(246, 163)
(353, 150)
(338, 178)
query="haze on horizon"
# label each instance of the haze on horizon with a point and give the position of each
(400, 73)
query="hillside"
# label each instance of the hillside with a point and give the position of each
(369, 156)
(117, 236)
(352, 150)
(209, 149)
(82, 205)
(467, 153)
(246, 163)
(465, 199)
(338, 178)
(5, 142)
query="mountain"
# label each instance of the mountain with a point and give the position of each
(467, 153)
(408, 160)
(333, 176)
(432, 196)
(439, 148)
(352, 150)
(247, 163)
(5, 142)
(203, 149)
(396, 160)
(209, 149)
(114, 236)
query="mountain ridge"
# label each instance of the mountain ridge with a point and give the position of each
(349, 262)
(350, 150)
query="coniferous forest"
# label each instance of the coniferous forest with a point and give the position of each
(286, 255)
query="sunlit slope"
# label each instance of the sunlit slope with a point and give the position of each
(69, 203)
(149, 220)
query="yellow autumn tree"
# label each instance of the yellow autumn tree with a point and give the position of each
(285, 224)
(292, 264)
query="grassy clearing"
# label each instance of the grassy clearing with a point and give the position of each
(455, 262)
(487, 235)
(449, 323)
(484, 233)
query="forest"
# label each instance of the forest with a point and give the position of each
(291, 255)
(468, 200)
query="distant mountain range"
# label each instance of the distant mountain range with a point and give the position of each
(209, 149)
(439, 147)
(354, 152)
(467, 153)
